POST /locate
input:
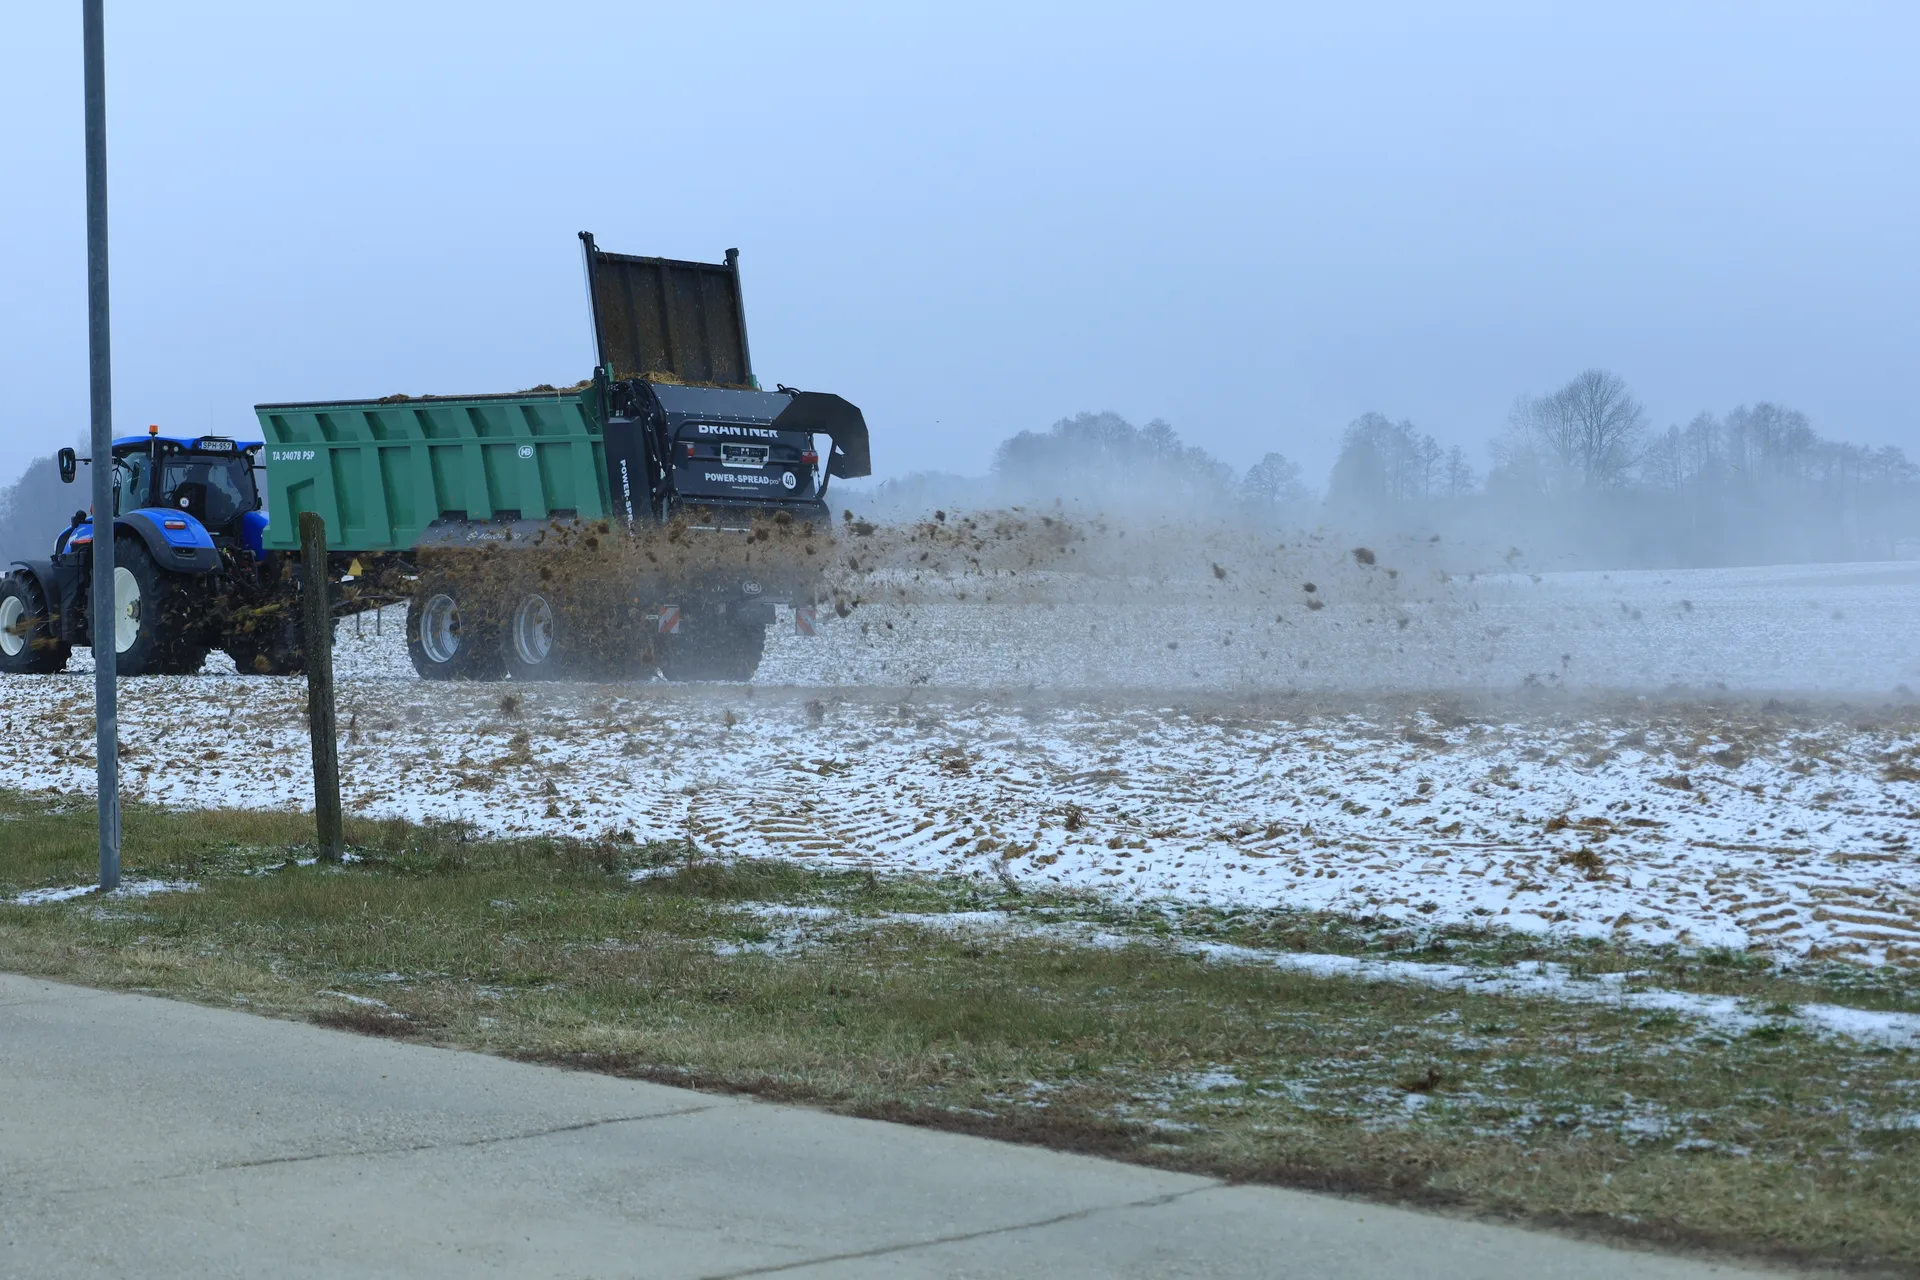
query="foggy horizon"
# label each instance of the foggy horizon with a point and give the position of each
(1255, 227)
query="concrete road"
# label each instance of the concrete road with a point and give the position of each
(144, 1137)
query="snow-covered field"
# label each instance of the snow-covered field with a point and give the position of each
(1486, 759)
(1826, 629)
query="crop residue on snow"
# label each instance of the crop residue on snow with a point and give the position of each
(1648, 821)
(1176, 716)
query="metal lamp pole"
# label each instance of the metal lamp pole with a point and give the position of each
(100, 382)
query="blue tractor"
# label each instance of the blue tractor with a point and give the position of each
(190, 572)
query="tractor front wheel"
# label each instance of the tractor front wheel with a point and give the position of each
(150, 617)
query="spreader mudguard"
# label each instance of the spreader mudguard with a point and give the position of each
(828, 415)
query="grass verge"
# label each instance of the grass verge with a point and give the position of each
(885, 998)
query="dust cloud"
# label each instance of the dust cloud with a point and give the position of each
(1071, 597)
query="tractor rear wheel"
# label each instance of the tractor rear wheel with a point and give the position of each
(29, 644)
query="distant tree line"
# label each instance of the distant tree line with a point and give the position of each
(35, 508)
(1103, 458)
(1578, 477)
(1390, 464)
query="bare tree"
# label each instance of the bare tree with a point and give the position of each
(1384, 464)
(1767, 441)
(1426, 456)
(1663, 463)
(1460, 478)
(1590, 428)
(1274, 481)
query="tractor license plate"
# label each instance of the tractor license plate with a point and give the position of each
(743, 455)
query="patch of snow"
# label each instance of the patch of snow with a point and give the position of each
(1531, 980)
(35, 897)
(786, 911)
(1554, 982)
(126, 889)
(364, 1001)
(1216, 1080)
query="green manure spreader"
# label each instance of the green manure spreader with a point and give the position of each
(656, 516)
(653, 517)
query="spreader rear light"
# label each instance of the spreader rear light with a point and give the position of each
(809, 457)
(689, 450)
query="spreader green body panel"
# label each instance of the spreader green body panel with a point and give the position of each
(381, 471)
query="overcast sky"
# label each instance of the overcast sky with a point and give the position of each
(1256, 221)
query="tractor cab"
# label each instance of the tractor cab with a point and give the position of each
(209, 478)
(188, 491)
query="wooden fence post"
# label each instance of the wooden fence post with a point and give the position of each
(316, 615)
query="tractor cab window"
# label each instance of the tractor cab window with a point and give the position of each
(214, 491)
(132, 482)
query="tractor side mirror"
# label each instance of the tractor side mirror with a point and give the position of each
(69, 465)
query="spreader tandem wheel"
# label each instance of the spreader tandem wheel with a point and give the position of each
(532, 636)
(712, 649)
(450, 632)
